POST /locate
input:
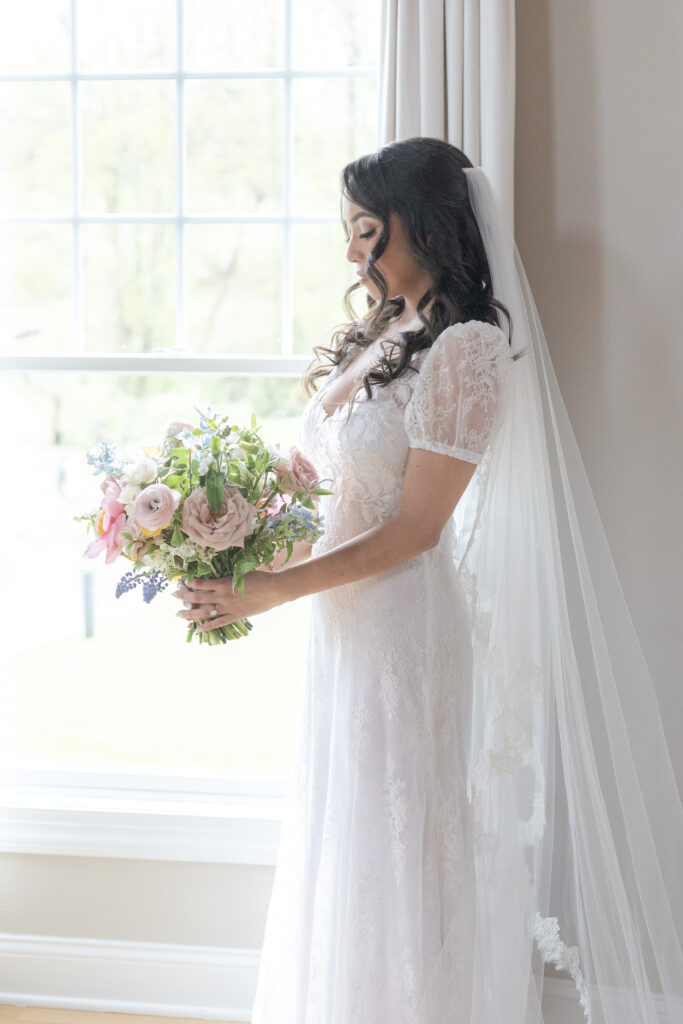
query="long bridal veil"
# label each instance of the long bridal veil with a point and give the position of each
(579, 827)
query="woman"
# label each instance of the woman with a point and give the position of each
(418, 848)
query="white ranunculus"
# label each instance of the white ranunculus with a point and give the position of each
(128, 494)
(205, 460)
(152, 560)
(235, 451)
(284, 461)
(142, 471)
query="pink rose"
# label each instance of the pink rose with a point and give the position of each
(139, 546)
(154, 507)
(304, 473)
(174, 427)
(138, 549)
(111, 522)
(300, 476)
(220, 530)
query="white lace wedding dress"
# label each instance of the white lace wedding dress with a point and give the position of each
(372, 911)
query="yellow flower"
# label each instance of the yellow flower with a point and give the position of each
(153, 533)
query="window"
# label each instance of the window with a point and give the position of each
(170, 238)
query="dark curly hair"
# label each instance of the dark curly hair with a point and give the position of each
(423, 182)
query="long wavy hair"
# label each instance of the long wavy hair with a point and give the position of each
(421, 180)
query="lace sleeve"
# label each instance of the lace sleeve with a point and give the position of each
(453, 404)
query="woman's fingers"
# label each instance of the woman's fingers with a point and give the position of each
(207, 585)
(222, 620)
(213, 603)
(203, 590)
(198, 611)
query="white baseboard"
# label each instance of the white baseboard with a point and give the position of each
(161, 979)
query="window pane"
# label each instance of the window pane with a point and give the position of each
(35, 155)
(324, 144)
(35, 282)
(35, 38)
(321, 276)
(126, 35)
(234, 274)
(134, 695)
(223, 35)
(234, 146)
(129, 287)
(340, 34)
(128, 147)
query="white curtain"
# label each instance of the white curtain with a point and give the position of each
(447, 70)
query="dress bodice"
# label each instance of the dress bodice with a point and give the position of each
(362, 457)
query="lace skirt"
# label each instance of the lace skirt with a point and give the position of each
(371, 914)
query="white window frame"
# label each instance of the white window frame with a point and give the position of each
(286, 362)
(220, 819)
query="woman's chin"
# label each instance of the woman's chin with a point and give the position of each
(366, 283)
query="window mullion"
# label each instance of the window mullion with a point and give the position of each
(157, 362)
(287, 311)
(77, 257)
(159, 76)
(181, 268)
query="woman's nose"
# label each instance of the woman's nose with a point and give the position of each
(353, 254)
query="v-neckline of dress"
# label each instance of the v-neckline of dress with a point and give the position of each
(338, 406)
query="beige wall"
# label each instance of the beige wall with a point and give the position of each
(599, 224)
(134, 900)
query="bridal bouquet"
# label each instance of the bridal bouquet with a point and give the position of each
(214, 500)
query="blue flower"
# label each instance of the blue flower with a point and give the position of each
(105, 460)
(204, 420)
(186, 437)
(307, 516)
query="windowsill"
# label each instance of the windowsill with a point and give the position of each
(241, 827)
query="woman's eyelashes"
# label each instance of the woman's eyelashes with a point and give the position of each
(365, 234)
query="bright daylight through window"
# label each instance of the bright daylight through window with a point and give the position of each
(170, 238)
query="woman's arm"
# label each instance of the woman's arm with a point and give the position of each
(432, 487)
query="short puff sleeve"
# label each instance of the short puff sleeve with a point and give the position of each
(453, 405)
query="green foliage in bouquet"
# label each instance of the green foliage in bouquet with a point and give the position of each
(215, 500)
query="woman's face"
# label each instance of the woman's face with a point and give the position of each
(404, 276)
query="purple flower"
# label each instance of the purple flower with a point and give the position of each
(152, 584)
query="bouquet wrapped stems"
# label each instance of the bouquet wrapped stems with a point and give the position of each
(221, 634)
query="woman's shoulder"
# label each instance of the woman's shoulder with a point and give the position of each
(464, 338)
(474, 330)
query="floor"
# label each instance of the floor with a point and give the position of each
(44, 1015)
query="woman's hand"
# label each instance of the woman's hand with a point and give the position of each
(214, 601)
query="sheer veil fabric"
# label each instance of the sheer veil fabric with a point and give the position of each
(579, 827)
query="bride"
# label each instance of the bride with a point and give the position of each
(471, 666)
